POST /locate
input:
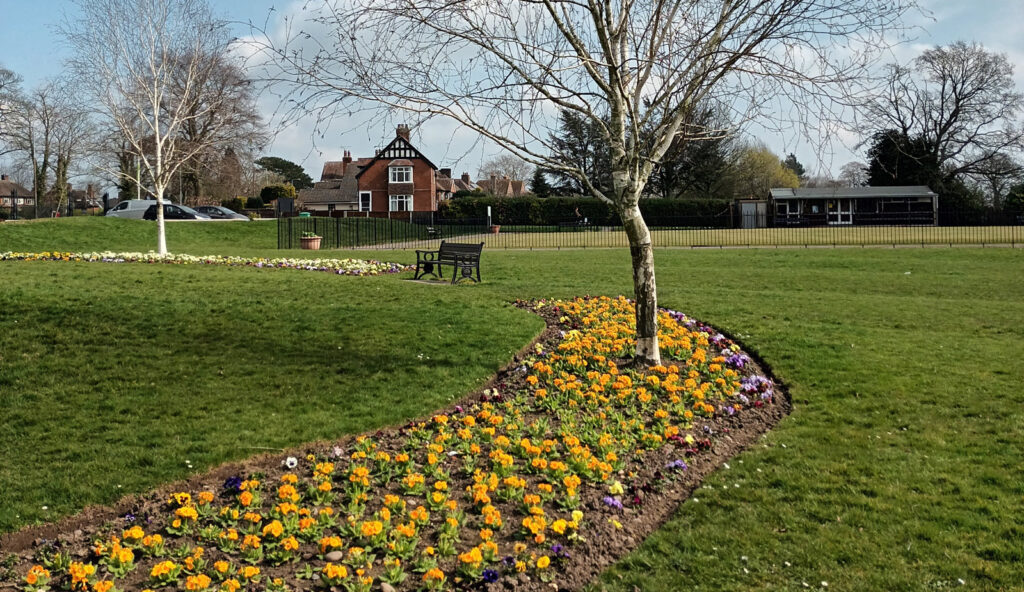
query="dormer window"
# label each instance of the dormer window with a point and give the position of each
(401, 174)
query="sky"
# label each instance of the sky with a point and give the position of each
(30, 47)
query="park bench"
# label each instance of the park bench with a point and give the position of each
(464, 259)
(574, 224)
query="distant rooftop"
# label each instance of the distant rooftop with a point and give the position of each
(852, 192)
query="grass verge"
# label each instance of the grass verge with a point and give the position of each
(898, 470)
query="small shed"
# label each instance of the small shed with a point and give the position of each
(856, 206)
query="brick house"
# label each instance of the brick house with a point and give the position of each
(503, 186)
(397, 180)
(337, 190)
(13, 195)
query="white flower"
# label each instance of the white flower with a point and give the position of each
(291, 462)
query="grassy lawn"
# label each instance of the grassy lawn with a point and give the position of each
(96, 233)
(898, 470)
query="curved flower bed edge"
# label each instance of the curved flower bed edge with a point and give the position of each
(562, 465)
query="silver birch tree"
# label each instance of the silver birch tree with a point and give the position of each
(142, 63)
(636, 69)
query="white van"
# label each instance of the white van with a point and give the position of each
(131, 208)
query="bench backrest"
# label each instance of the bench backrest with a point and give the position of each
(449, 250)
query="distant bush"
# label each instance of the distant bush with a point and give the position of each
(254, 203)
(272, 192)
(235, 204)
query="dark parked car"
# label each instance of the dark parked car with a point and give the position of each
(221, 213)
(174, 212)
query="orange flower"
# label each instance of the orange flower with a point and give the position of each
(245, 498)
(198, 582)
(36, 574)
(434, 575)
(274, 529)
(371, 528)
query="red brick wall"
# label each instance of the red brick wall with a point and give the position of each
(375, 179)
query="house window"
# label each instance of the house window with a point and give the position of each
(401, 174)
(364, 201)
(401, 203)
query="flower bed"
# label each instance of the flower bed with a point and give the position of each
(338, 266)
(545, 478)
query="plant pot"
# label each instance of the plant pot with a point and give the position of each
(495, 228)
(310, 243)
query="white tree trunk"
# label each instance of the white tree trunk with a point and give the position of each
(644, 288)
(161, 235)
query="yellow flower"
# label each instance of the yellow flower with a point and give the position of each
(133, 533)
(543, 562)
(163, 568)
(274, 529)
(335, 572)
(250, 572)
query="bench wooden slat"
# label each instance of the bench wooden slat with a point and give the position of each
(464, 258)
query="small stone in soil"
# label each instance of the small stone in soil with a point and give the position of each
(334, 556)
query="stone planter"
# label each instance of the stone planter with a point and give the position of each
(495, 228)
(310, 243)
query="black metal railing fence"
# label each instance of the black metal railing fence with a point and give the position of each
(426, 230)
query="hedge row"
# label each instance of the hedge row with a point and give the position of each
(555, 210)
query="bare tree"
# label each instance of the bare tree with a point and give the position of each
(635, 69)
(958, 104)
(222, 114)
(506, 165)
(31, 130)
(996, 176)
(853, 174)
(10, 89)
(143, 63)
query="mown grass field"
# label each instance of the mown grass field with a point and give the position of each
(899, 468)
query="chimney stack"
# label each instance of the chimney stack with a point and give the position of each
(402, 131)
(4, 178)
(465, 177)
(345, 161)
(446, 173)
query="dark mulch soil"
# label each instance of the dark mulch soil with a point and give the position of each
(653, 493)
